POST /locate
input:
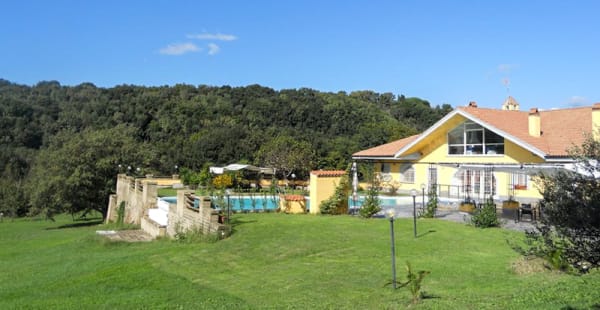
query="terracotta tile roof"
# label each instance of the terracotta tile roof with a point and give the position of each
(328, 173)
(386, 150)
(561, 129)
(293, 197)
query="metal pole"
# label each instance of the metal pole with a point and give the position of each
(414, 215)
(393, 252)
(423, 203)
(228, 209)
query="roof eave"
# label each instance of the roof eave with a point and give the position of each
(426, 132)
(373, 157)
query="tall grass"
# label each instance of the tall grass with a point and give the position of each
(275, 261)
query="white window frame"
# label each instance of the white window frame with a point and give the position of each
(469, 128)
(407, 173)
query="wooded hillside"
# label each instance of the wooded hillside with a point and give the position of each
(54, 136)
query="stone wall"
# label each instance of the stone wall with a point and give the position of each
(185, 216)
(138, 195)
(153, 228)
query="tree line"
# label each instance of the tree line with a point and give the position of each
(61, 146)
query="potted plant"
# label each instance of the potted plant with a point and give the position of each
(510, 208)
(467, 205)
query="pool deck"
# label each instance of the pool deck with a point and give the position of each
(449, 211)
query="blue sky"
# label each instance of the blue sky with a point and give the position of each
(546, 54)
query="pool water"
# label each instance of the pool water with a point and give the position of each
(261, 203)
(239, 203)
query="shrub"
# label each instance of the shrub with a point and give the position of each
(372, 203)
(485, 216)
(432, 203)
(338, 202)
(547, 245)
(413, 282)
(570, 225)
(121, 213)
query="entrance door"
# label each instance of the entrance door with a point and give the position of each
(475, 184)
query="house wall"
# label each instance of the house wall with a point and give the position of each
(435, 150)
(321, 188)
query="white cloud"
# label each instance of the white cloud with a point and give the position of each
(179, 49)
(507, 68)
(212, 36)
(577, 100)
(213, 49)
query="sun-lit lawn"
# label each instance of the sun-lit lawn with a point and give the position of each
(276, 261)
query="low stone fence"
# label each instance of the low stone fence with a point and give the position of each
(139, 197)
(153, 228)
(189, 215)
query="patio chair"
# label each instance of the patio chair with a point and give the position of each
(526, 209)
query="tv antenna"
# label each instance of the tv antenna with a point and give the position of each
(506, 82)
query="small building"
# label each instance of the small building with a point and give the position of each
(478, 152)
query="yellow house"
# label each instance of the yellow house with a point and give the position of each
(477, 152)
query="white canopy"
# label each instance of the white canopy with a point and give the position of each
(530, 169)
(237, 167)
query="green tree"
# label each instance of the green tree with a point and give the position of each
(77, 173)
(287, 155)
(570, 222)
(372, 203)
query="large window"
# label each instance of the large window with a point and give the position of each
(471, 139)
(520, 180)
(407, 173)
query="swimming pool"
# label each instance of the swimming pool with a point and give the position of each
(239, 203)
(271, 202)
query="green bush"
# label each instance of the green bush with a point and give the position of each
(547, 244)
(372, 203)
(432, 203)
(485, 216)
(413, 282)
(338, 202)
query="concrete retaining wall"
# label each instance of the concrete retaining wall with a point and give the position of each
(140, 195)
(152, 228)
(186, 217)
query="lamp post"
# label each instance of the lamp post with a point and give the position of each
(227, 193)
(413, 192)
(423, 190)
(354, 186)
(293, 181)
(390, 214)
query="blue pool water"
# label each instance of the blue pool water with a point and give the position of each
(240, 203)
(261, 203)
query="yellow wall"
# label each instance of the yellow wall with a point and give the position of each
(291, 205)
(434, 149)
(321, 188)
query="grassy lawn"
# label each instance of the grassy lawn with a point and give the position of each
(276, 261)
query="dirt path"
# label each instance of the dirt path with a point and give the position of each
(125, 235)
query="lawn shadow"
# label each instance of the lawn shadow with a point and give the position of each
(426, 233)
(79, 223)
(426, 295)
(235, 222)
